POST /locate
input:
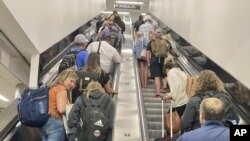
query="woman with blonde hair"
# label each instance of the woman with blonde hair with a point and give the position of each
(140, 46)
(95, 97)
(207, 81)
(58, 99)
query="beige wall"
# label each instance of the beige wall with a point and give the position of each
(46, 22)
(218, 28)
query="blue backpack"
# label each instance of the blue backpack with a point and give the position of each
(32, 107)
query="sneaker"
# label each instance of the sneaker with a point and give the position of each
(157, 96)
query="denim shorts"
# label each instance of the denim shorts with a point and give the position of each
(53, 130)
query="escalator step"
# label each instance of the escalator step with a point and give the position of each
(150, 94)
(152, 105)
(154, 118)
(153, 134)
(151, 90)
(154, 125)
(152, 99)
(153, 111)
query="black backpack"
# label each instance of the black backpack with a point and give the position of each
(68, 60)
(230, 115)
(95, 123)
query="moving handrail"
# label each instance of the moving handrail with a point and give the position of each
(143, 122)
(53, 61)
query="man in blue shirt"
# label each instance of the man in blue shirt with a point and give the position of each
(212, 129)
(80, 46)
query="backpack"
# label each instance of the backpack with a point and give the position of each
(84, 78)
(160, 48)
(68, 60)
(32, 107)
(230, 115)
(114, 30)
(94, 119)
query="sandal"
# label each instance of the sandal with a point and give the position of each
(165, 90)
(157, 96)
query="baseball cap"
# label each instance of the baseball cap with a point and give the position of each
(159, 31)
(147, 17)
(80, 38)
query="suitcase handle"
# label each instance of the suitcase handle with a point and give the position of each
(171, 117)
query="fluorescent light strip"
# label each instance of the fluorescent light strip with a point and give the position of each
(109, 12)
(4, 98)
(129, 2)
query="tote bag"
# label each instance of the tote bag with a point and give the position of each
(175, 122)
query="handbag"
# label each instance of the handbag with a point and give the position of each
(143, 54)
(65, 120)
(176, 122)
(191, 86)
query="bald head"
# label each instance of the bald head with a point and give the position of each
(211, 109)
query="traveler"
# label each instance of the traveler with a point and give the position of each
(108, 54)
(146, 27)
(83, 126)
(138, 23)
(156, 62)
(177, 81)
(211, 113)
(208, 84)
(80, 46)
(93, 65)
(58, 99)
(140, 45)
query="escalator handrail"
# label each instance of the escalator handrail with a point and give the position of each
(53, 61)
(239, 109)
(142, 115)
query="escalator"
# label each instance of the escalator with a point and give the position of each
(153, 111)
(152, 106)
(10, 128)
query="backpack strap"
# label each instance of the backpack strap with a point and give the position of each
(98, 50)
(85, 100)
(105, 102)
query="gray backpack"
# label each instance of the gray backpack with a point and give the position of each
(230, 115)
(114, 30)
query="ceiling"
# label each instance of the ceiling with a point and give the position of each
(134, 13)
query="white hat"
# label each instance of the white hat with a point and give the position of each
(147, 17)
(158, 30)
(80, 38)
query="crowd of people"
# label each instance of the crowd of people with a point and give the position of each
(202, 113)
(98, 57)
(208, 109)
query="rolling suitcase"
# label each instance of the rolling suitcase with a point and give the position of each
(163, 137)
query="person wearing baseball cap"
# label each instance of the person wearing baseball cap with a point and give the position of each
(146, 27)
(81, 54)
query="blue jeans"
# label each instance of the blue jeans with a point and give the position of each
(53, 130)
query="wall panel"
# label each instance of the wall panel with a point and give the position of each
(218, 28)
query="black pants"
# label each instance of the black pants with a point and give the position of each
(180, 110)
